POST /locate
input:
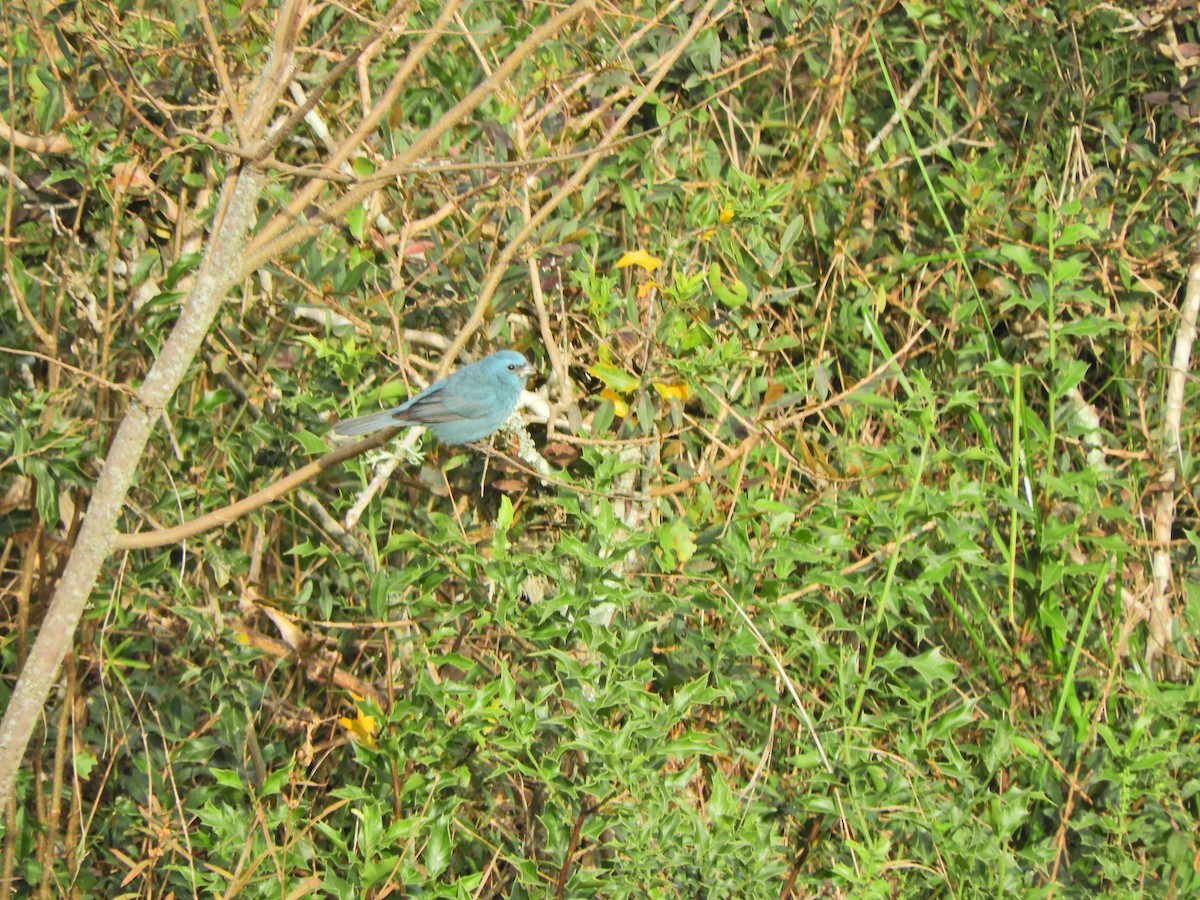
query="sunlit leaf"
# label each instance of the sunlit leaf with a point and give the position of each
(677, 542)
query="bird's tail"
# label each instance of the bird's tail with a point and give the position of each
(366, 424)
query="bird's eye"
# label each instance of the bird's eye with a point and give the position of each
(512, 367)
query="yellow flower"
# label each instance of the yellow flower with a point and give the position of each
(639, 258)
(361, 728)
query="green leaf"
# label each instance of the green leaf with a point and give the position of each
(1180, 850)
(733, 294)
(932, 666)
(617, 379)
(47, 493)
(311, 443)
(437, 850)
(1023, 258)
(790, 234)
(275, 781)
(84, 763)
(227, 777)
(504, 520)
(1067, 270)
(356, 220)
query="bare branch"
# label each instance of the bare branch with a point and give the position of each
(271, 243)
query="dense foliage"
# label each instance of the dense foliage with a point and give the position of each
(837, 582)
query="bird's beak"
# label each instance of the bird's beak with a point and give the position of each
(527, 370)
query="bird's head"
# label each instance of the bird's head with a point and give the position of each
(510, 362)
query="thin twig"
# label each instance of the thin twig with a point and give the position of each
(699, 22)
(906, 101)
(271, 243)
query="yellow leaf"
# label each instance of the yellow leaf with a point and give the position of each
(361, 728)
(644, 289)
(725, 216)
(773, 392)
(639, 258)
(618, 402)
(671, 391)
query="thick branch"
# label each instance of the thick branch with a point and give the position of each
(220, 270)
(1161, 624)
(56, 144)
(96, 535)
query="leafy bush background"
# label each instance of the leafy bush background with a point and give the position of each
(792, 619)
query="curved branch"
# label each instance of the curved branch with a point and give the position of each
(56, 144)
(142, 540)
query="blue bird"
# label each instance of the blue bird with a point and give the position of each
(465, 406)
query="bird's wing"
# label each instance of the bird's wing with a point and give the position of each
(439, 404)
